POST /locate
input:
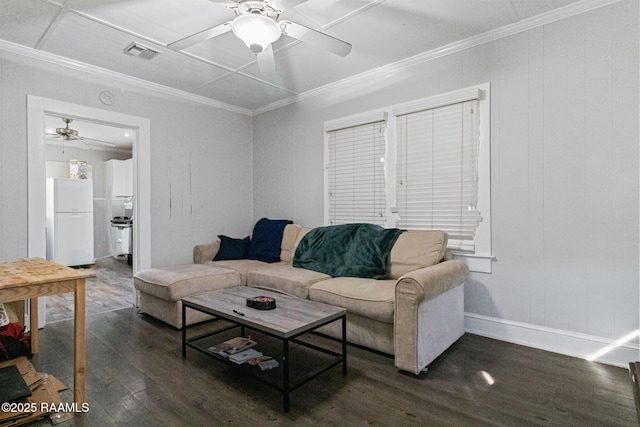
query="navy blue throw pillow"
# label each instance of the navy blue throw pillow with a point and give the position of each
(232, 248)
(266, 240)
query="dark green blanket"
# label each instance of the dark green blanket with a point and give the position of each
(349, 250)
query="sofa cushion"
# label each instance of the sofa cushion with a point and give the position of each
(175, 282)
(289, 238)
(266, 239)
(242, 266)
(286, 278)
(370, 298)
(416, 249)
(231, 248)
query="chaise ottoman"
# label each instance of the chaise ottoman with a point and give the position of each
(162, 289)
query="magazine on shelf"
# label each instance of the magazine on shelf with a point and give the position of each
(245, 356)
(232, 346)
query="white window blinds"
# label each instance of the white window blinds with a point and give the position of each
(437, 171)
(356, 182)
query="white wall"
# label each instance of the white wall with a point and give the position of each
(564, 175)
(201, 175)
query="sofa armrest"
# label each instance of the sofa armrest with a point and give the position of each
(429, 282)
(204, 253)
(429, 313)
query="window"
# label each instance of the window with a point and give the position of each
(437, 172)
(356, 181)
(424, 164)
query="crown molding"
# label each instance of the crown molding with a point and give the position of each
(489, 36)
(118, 77)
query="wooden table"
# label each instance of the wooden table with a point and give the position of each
(31, 278)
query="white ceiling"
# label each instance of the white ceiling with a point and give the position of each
(223, 69)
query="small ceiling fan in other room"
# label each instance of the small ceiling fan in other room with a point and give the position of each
(68, 134)
(256, 24)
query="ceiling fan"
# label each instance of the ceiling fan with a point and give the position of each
(68, 134)
(256, 24)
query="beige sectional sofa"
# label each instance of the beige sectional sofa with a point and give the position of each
(414, 315)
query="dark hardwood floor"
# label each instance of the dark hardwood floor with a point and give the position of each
(136, 376)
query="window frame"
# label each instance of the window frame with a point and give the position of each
(481, 259)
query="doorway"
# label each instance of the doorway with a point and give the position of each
(37, 110)
(90, 151)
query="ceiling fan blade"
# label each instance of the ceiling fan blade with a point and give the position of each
(98, 141)
(200, 37)
(283, 5)
(315, 38)
(267, 62)
(67, 144)
(83, 144)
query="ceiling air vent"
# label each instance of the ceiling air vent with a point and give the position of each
(140, 51)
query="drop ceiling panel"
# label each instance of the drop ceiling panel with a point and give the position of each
(398, 29)
(236, 89)
(322, 13)
(24, 22)
(163, 21)
(87, 41)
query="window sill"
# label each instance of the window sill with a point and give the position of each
(476, 263)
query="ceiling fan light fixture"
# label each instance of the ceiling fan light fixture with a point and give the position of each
(256, 31)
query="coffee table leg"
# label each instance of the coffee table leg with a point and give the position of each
(285, 373)
(184, 331)
(344, 345)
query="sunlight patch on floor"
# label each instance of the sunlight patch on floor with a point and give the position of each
(487, 377)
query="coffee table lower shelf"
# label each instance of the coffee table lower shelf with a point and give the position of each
(279, 379)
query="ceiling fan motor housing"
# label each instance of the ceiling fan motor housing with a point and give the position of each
(245, 7)
(66, 132)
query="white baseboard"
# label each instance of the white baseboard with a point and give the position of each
(612, 352)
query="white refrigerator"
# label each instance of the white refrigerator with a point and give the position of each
(69, 207)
